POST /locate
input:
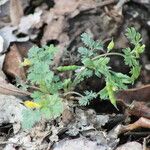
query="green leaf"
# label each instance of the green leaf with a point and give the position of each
(84, 52)
(139, 49)
(133, 36)
(88, 63)
(52, 106)
(30, 117)
(87, 40)
(37, 96)
(104, 93)
(101, 66)
(129, 57)
(135, 72)
(85, 100)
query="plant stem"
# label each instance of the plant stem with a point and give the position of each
(108, 54)
(73, 92)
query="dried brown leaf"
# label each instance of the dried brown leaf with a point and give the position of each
(136, 101)
(16, 11)
(14, 58)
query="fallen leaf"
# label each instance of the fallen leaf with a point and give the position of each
(14, 58)
(9, 89)
(30, 21)
(130, 146)
(16, 11)
(136, 101)
(135, 94)
(67, 116)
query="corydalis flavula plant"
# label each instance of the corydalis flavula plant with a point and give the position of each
(98, 64)
(47, 99)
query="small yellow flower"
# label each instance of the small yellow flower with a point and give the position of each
(31, 104)
(26, 62)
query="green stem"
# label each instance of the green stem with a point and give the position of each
(107, 54)
(73, 92)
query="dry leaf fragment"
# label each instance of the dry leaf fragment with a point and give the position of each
(14, 58)
(16, 11)
(136, 101)
(130, 146)
(67, 116)
(140, 123)
(30, 21)
(135, 94)
(9, 89)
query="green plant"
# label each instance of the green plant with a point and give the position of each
(48, 98)
(98, 64)
(47, 102)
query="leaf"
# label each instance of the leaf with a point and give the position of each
(51, 106)
(104, 93)
(87, 40)
(129, 58)
(101, 66)
(139, 49)
(133, 36)
(37, 96)
(85, 100)
(30, 117)
(98, 45)
(88, 63)
(135, 71)
(85, 52)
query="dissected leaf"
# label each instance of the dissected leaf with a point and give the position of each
(30, 117)
(85, 100)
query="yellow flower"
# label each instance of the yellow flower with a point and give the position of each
(31, 104)
(26, 62)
